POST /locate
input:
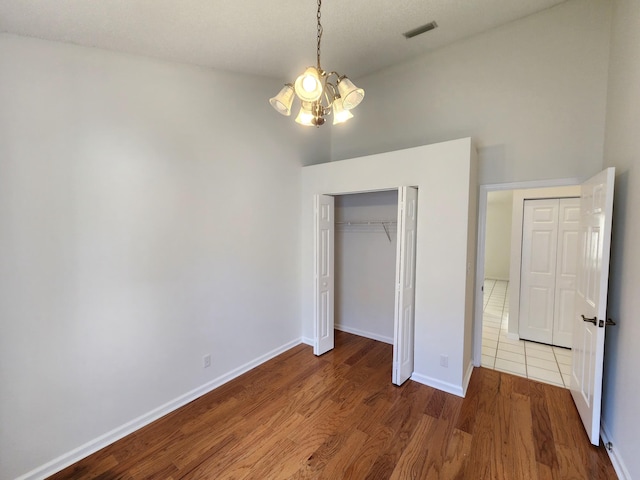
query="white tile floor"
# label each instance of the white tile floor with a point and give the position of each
(536, 361)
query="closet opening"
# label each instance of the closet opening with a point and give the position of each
(365, 249)
(365, 263)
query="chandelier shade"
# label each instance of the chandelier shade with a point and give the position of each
(351, 95)
(320, 93)
(340, 115)
(283, 101)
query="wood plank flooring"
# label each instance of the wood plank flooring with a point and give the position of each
(339, 417)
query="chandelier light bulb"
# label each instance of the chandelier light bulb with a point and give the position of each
(305, 116)
(340, 115)
(308, 86)
(309, 83)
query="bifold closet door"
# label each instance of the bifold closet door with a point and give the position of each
(549, 265)
(404, 319)
(566, 271)
(538, 274)
(324, 207)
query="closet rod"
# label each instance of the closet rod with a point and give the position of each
(385, 224)
(376, 222)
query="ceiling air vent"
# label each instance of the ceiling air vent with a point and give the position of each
(420, 30)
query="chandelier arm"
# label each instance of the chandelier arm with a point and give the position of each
(334, 92)
(329, 75)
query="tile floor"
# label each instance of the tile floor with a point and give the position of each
(536, 361)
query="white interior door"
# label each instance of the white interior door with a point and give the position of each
(403, 342)
(324, 274)
(538, 274)
(566, 268)
(596, 208)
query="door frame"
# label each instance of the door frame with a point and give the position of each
(315, 254)
(483, 192)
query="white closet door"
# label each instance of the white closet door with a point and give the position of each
(324, 274)
(537, 283)
(403, 342)
(566, 269)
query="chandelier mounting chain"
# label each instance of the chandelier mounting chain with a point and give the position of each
(320, 93)
(319, 16)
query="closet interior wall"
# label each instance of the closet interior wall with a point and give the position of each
(365, 263)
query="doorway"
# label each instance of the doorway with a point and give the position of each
(590, 318)
(500, 257)
(355, 295)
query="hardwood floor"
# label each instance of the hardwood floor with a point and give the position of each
(338, 416)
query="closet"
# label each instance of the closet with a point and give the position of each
(365, 263)
(548, 270)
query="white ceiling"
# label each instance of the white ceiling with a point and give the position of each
(275, 38)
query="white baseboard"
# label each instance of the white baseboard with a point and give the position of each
(614, 455)
(362, 333)
(439, 384)
(307, 341)
(467, 379)
(69, 458)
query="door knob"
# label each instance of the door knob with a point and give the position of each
(590, 320)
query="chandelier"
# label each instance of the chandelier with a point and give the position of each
(320, 93)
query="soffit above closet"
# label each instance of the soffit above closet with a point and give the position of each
(275, 38)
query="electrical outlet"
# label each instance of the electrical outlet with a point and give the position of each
(206, 361)
(444, 361)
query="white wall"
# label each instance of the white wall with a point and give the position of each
(147, 218)
(445, 263)
(622, 149)
(497, 254)
(531, 94)
(365, 264)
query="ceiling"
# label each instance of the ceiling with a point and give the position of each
(275, 38)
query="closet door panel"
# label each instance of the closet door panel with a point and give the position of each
(324, 273)
(403, 342)
(566, 269)
(537, 283)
